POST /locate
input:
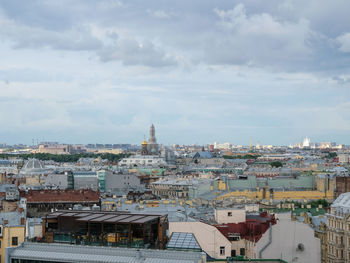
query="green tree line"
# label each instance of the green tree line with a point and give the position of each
(61, 158)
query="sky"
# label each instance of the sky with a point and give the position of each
(83, 71)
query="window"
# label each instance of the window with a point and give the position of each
(242, 251)
(233, 253)
(229, 214)
(222, 251)
(15, 241)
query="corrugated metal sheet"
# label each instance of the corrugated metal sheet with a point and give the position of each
(75, 253)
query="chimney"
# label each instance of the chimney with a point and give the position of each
(22, 220)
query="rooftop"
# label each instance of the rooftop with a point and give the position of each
(105, 217)
(74, 253)
(342, 203)
(61, 196)
(252, 229)
(11, 218)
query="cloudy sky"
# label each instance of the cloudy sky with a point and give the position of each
(202, 71)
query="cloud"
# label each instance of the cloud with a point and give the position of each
(344, 42)
(108, 46)
(259, 39)
(22, 36)
(132, 52)
(341, 79)
(160, 14)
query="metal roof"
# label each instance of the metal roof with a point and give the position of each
(75, 253)
(106, 217)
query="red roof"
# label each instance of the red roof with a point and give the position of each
(61, 196)
(252, 229)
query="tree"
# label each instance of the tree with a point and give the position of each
(276, 164)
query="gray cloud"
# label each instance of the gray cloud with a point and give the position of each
(344, 42)
(132, 52)
(24, 36)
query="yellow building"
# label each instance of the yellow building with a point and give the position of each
(12, 231)
(263, 194)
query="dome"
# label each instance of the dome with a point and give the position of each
(144, 141)
(33, 166)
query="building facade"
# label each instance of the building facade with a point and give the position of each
(12, 231)
(338, 230)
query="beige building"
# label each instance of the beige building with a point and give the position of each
(338, 230)
(12, 231)
(210, 239)
(54, 149)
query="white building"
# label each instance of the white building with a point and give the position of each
(225, 145)
(306, 142)
(292, 241)
(142, 161)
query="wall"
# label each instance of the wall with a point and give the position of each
(280, 195)
(325, 183)
(208, 237)
(59, 180)
(286, 235)
(121, 181)
(342, 184)
(84, 182)
(237, 216)
(32, 180)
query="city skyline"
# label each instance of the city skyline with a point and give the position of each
(103, 71)
(251, 143)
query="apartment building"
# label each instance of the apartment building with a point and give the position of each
(338, 231)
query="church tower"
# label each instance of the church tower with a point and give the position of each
(152, 135)
(152, 145)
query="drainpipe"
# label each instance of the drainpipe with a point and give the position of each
(268, 242)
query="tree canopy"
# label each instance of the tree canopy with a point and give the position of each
(61, 158)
